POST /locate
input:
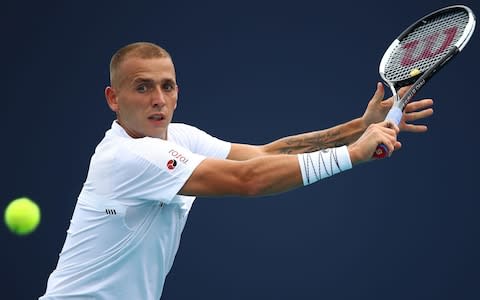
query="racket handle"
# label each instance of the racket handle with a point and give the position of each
(380, 152)
(395, 116)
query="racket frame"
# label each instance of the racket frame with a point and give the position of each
(419, 80)
(396, 112)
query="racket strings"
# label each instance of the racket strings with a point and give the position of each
(427, 44)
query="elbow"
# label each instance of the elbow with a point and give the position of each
(252, 184)
(253, 189)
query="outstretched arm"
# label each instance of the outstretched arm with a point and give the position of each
(279, 173)
(302, 143)
(343, 134)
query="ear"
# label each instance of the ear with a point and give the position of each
(111, 97)
(176, 101)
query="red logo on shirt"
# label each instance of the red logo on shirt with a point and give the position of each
(171, 164)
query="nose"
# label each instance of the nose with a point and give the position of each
(158, 97)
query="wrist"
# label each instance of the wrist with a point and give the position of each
(321, 164)
(363, 123)
(354, 157)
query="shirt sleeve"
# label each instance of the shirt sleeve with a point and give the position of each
(152, 169)
(200, 142)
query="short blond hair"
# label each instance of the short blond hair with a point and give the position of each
(143, 50)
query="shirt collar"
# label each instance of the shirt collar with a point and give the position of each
(118, 130)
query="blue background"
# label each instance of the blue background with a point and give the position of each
(250, 71)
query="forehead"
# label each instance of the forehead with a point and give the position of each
(157, 69)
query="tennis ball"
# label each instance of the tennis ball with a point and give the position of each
(414, 72)
(22, 216)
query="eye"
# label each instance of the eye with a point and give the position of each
(142, 88)
(168, 86)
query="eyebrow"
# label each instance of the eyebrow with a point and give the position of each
(151, 81)
(143, 80)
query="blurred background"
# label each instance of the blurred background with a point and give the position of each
(250, 71)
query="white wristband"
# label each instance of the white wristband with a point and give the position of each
(324, 163)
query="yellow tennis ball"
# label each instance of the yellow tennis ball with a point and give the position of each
(22, 216)
(414, 72)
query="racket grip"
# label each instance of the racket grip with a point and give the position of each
(380, 152)
(395, 116)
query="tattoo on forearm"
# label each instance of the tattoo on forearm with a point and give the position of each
(311, 142)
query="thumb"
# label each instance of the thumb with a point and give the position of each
(379, 93)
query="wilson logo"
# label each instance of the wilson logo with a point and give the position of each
(171, 164)
(110, 211)
(433, 45)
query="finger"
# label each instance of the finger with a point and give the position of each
(391, 134)
(386, 130)
(403, 90)
(414, 128)
(413, 116)
(391, 147)
(388, 137)
(396, 146)
(418, 105)
(396, 128)
(391, 125)
(388, 102)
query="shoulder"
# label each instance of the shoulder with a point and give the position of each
(122, 150)
(175, 128)
(185, 135)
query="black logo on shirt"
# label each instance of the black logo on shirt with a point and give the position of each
(110, 211)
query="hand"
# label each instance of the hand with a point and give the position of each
(378, 108)
(381, 133)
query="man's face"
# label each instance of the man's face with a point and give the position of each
(144, 96)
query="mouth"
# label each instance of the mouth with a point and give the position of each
(157, 117)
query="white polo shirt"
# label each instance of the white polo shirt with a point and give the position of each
(127, 223)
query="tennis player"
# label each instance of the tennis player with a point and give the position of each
(145, 174)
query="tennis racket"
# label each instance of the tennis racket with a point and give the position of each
(420, 52)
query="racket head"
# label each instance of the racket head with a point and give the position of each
(420, 51)
(424, 47)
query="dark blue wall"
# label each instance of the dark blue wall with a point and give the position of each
(250, 71)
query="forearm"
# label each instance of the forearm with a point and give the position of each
(260, 176)
(308, 168)
(339, 135)
(265, 175)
